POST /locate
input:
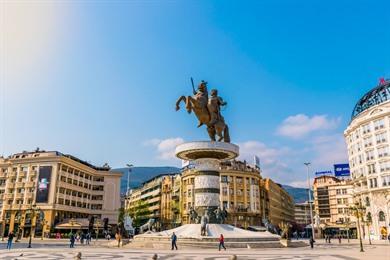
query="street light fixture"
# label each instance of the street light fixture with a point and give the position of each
(128, 178)
(309, 189)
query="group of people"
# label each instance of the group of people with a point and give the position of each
(83, 237)
(221, 242)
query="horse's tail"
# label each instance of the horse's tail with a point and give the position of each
(226, 135)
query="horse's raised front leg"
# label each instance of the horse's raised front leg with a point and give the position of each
(180, 99)
(189, 104)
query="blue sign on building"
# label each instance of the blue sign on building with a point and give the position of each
(322, 173)
(341, 170)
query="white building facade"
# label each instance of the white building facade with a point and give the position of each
(368, 142)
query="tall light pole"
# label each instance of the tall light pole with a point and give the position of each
(309, 188)
(128, 178)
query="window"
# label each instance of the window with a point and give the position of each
(339, 201)
(224, 179)
(366, 128)
(380, 138)
(379, 124)
(370, 155)
(367, 141)
(371, 168)
(344, 191)
(224, 191)
(381, 216)
(373, 183)
(345, 201)
(386, 181)
(383, 151)
(338, 191)
(340, 210)
(367, 201)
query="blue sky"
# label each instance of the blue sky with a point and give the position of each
(99, 79)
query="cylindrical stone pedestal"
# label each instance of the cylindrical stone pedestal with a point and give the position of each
(206, 158)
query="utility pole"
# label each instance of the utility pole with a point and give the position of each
(309, 189)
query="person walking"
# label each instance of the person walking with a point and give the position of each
(221, 242)
(88, 238)
(118, 238)
(312, 242)
(174, 239)
(72, 239)
(10, 239)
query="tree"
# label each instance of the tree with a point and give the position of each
(139, 213)
(368, 223)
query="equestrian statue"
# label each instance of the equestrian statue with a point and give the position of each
(207, 110)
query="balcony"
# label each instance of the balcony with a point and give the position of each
(3, 175)
(30, 184)
(12, 174)
(9, 196)
(19, 195)
(29, 195)
(22, 174)
(33, 173)
(11, 185)
(19, 185)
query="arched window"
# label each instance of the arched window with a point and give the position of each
(381, 216)
(369, 217)
(367, 201)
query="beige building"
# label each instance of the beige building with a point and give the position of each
(158, 196)
(59, 187)
(368, 142)
(281, 204)
(333, 198)
(302, 213)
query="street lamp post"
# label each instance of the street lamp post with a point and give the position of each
(128, 178)
(98, 224)
(309, 189)
(32, 211)
(358, 210)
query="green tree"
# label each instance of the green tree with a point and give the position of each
(140, 213)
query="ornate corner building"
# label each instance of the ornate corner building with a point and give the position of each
(367, 137)
(61, 187)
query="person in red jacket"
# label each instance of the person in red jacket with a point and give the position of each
(221, 242)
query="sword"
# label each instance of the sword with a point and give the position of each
(193, 88)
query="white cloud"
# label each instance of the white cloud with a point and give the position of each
(300, 125)
(329, 149)
(165, 147)
(266, 154)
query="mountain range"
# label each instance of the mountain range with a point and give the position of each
(139, 175)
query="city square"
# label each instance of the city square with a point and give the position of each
(128, 130)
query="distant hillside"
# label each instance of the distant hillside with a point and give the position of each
(139, 175)
(299, 194)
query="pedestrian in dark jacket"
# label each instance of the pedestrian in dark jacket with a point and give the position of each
(174, 239)
(312, 242)
(10, 239)
(72, 239)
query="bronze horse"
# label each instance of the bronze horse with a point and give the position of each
(198, 104)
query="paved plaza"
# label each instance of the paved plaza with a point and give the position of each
(322, 251)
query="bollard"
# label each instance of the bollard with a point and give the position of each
(233, 257)
(155, 256)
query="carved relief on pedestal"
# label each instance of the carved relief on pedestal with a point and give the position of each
(206, 181)
(207, 199)
(206, 164)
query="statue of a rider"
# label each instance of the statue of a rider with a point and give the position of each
(214, 106)
(207, 110)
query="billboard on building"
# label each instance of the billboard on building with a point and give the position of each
(341, 170)
(44, 177)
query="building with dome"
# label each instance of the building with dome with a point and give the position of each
(368, 140)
